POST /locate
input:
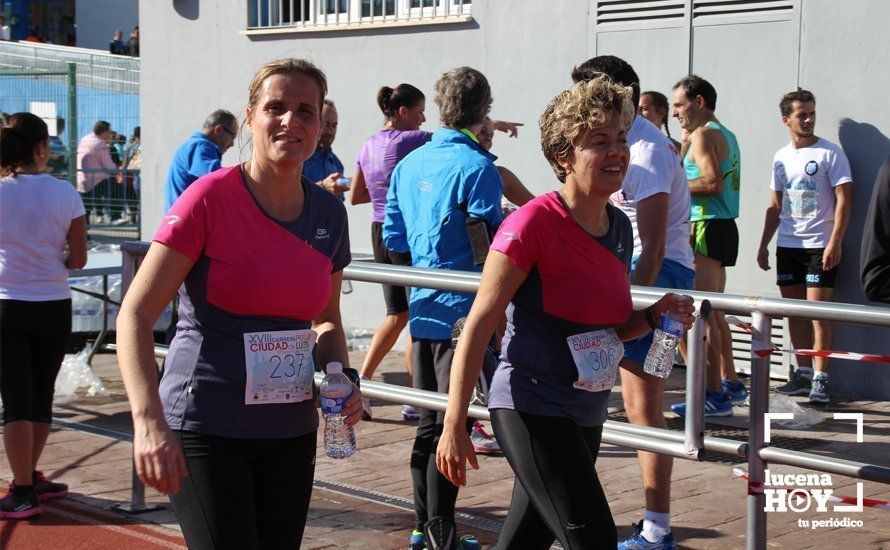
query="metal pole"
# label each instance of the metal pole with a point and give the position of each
(104, 331)
(71, 124)
(775, 307)
(652, 442)
(832, 465)
(131, 257)
(759, 407)
(695, 382)
(711, 443)
(467, 281)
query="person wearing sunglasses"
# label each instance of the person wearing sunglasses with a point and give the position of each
(200, 154)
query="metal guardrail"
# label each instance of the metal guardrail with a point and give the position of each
(689, 444)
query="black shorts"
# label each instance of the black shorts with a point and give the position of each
(396, 297)
(797, 266)
(33, 340)
(717, 239)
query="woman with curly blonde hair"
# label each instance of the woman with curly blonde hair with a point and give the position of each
(561, 262)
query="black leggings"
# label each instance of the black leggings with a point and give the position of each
(33, 340)
(434, 495)
(557, 493)
(244, 493)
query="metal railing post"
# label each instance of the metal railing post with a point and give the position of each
(71, 123)
(104, 330)
(759, 406)
(131, 257)
(695, 382)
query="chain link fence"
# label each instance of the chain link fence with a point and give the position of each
(72, 89)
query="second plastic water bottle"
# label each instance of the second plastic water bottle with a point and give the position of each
(339, 439)
(660, 359)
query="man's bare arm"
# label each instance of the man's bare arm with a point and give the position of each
(770, 225)
(705, 149)
(832, 255)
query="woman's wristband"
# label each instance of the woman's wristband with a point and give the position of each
(650, 318)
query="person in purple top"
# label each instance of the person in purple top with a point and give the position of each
(403, 108)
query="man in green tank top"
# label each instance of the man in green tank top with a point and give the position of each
(712, 161)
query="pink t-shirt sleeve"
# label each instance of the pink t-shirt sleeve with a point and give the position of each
(518, 238)
(185, 228)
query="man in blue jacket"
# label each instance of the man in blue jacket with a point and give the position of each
(324, 167)
(438, 193)
(200, 154)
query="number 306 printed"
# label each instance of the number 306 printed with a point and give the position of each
(602, 360)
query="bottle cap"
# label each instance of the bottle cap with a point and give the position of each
(334, 367)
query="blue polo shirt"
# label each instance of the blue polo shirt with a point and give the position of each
(197, 157)
(321, 165)
(432, 192)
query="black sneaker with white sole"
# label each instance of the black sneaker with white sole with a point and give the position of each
(798, 385)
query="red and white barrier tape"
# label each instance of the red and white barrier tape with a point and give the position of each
(762, 350)
(757, 489)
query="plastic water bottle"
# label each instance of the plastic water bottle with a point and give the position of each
(660, 358)
(339, 439)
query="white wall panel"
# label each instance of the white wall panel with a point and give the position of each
(751, 66)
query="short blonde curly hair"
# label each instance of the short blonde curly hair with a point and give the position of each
(573, 113)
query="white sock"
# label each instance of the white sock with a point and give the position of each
(806, 372)
(822, 375)
(655, 525)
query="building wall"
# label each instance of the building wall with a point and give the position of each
(194, 60)
(845, 60)
(98, 19)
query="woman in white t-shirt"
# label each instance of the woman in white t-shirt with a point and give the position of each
(39, 217)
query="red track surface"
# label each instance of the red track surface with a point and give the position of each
(66, 525)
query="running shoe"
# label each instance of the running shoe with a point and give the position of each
(46, 489)
(798, 385)
(410, 413)
(483, 442)
(638, 542)
(469, 542)
(19, 507)
(717, 403)
(737, 391)
(819, 390)
(417, 541)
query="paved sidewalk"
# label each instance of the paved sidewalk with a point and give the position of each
(364, 502)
